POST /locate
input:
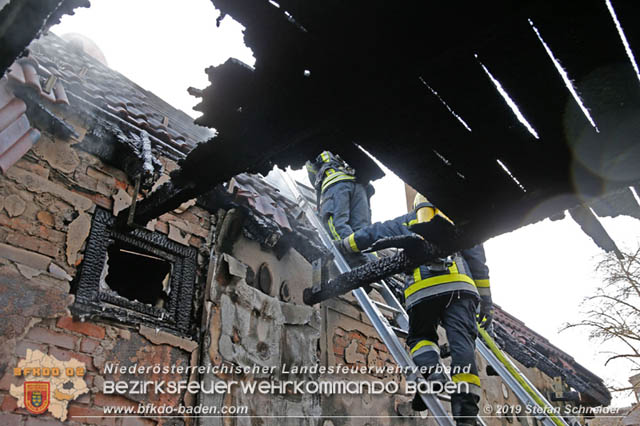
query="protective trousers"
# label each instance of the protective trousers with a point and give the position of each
(456, 311)
(344, 208)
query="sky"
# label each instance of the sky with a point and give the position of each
(162, 45)
(539, 273)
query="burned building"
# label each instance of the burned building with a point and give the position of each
(216, 282)
(110, 265)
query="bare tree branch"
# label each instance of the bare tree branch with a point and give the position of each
(613, 312)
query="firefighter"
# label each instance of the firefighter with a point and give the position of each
(344, 202)
(446, 291)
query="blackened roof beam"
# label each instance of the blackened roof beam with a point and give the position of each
(594, 229)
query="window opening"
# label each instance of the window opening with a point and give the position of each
(137, 275)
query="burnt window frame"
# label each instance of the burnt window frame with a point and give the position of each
(90, 301)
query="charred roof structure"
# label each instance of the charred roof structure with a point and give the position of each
(502, 113)
(533, 350)
(494, 105)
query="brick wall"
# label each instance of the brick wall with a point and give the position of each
(46, 203)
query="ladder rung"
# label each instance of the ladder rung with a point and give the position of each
(399, 331)
(444, 397)
(387, 307)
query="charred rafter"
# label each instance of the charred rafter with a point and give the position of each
(416, 251)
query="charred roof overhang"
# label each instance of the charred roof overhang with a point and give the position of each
(423, 86)
(21, 21)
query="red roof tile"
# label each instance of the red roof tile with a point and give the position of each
(27, 71)
(95, 82)
(60, 94)
(31, 76)
(530, 339)
(15, 73)
(16, 134)
(265, 202)
(11, 111)
(18, 149)
(14, 131)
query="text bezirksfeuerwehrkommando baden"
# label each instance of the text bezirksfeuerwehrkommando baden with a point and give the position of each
(137, 385)
(280, 387)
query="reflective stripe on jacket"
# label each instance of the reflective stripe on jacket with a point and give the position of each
(438, 278)
(333, 177)
(328, 169)
(477, 261)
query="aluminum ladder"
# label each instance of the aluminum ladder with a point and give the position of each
(372, 310)
(524, 390)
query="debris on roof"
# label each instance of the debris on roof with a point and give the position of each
(533, 350)
(242, 186)
(270, 218)
(27, 71)
(58, 76)
(87, 78)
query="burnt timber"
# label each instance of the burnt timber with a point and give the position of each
(330, 74)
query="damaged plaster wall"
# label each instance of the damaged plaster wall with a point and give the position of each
(291, 271)
(248, 325)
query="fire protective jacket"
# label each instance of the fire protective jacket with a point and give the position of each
(466, 271)
(342, 202)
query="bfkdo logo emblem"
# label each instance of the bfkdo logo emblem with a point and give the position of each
(36, 396)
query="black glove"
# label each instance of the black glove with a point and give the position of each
(410, 242)
(485, 315)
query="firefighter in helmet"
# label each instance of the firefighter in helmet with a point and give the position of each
(343, 202)
(445, 292)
